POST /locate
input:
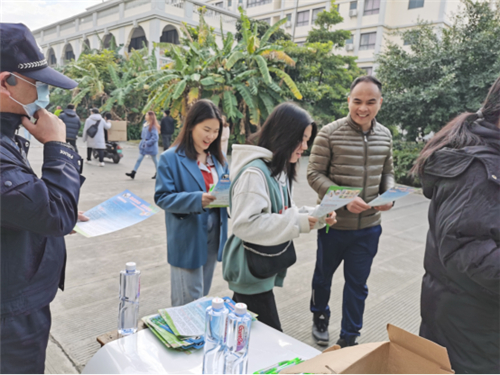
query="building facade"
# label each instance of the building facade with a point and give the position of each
(133, 23)
(371, 22)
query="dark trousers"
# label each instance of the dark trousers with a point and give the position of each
(99, 150)
(72, 142)
(262, 304)
(166, 139)
(356, 248)
(23, 342)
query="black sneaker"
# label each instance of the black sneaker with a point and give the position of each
(320, 328)
(349, 341)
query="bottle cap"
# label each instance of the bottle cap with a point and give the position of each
(217, 303)
(240, 309)
(130, 266)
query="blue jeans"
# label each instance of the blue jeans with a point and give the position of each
(356, 248)
(141, 158)
(188, 285)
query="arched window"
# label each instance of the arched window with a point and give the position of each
(108, 41)
(68, 53)
(51, 57)
(86, 44)
(138, 39)
(169, 35)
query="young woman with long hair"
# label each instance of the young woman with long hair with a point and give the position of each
(149, 143)
(265, 219)
(460, 173)
(195, 234)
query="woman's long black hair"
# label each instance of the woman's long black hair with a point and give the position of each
(281, 134)
(200, 111)
(457, 133)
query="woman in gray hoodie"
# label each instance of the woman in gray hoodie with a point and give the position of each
(262, 208)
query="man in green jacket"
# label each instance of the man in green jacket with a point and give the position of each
(354, 151)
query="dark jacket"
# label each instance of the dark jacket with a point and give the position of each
(36, 213)
(461, 285)
(167, 125)
(342, 155)
(72, 121)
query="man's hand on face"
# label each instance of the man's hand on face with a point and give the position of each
(357, 206)
(48, 127)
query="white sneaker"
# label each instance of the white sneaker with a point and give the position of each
(101, 164)
(88, 162)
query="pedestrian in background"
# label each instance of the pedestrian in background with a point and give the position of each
(107, 118)
(73, 124)
(58, 110)
(225, 135)
(195, 234)
(36, 213)
(167, 129)
(460, 172)
(97, 142)
(149, 143)
(354, 151)
(263, 212)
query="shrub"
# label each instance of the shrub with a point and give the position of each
(404, 156)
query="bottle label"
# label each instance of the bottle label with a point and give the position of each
(242, 337)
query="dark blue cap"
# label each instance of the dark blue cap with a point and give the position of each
(19, 53)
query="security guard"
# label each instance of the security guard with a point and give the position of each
(36, 213)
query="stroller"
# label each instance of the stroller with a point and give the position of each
(113, 151)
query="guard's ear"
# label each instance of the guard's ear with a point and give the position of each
(11, 80)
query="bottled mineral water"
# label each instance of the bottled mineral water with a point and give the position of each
(215, 336)
(237, 340)
(130, 289)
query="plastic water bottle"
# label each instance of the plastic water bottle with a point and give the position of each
(215, 337)
(239, 323)
(130, 289)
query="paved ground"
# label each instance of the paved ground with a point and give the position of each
(89, 305)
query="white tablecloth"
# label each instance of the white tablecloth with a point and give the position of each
(143, 353)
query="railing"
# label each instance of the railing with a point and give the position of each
(175, 3)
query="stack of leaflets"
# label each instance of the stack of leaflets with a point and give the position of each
(183, 327)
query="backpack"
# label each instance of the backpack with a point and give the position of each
(92, 130)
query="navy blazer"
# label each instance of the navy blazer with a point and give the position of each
(179, 188)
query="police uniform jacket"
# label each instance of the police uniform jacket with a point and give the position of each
(36, 214)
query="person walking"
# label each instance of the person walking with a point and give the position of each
(36, 213)
(460, 302)
(225, 135)
(97, 142)
(73, 124)
(196, 233)
(265, 218)
(149, 143)
(58, 110)
(354, 151)
(167, 129)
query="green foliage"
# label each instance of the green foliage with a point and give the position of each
(234, 76)
(404, 156)
(262, 28)
(448, 71)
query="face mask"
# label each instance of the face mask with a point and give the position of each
(43, 100)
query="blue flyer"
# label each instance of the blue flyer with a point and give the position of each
(121, 211)
(392, 194)
(221, 192)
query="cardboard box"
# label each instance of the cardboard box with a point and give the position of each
(405, 353)
(118, 131)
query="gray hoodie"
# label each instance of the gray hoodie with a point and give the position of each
(251, 205)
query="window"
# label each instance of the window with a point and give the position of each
(256, 3)
(350, 40)
(303, 18)
(368, 70)
(415, 4)
(289, 17)
(316, 12)
(229, 3)
(367, 41)
(353, 5)
(410, 37)
(266, 20)
(169, 36)
(371, 7)
(220, 5)
(338, 7)
(69, 55)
